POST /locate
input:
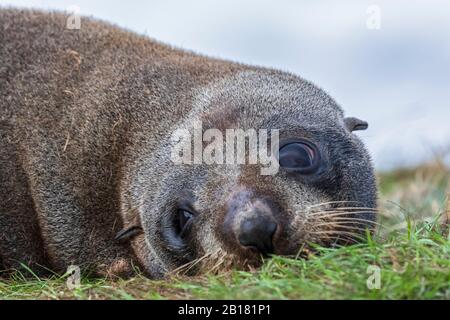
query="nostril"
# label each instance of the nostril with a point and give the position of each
(258, 233)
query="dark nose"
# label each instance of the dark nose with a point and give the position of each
(258, 232)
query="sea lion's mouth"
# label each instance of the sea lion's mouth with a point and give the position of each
(331, 224)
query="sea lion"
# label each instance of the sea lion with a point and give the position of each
(87, 175)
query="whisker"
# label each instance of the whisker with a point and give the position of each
(334, 214)
(339, 223)
(345, 209)
(329, 202)
(405, 211)
(338, 237)
(343, 226)
(336, 232)
(356, 208)
(340, 219)
(221, 261)
(191, 264)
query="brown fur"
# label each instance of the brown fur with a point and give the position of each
(85, 121)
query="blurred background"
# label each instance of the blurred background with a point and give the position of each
(387, 62)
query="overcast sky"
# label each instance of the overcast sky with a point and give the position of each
(396, 77)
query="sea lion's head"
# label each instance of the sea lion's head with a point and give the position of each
(213, 215)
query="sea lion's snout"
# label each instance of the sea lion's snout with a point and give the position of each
(257, 232)
(251, 223)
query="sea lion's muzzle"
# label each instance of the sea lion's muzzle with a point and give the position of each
(257, 232)
(251, 224)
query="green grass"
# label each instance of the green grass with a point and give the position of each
(412, 253)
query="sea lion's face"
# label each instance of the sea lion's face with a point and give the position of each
(216, 215)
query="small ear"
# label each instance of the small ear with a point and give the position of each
(355, 124)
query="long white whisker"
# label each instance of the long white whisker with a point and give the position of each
(334, 214)
(340, 219)
(336, 232)
(329, 202)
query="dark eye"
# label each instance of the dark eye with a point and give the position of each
(183, 222)
(299, 156)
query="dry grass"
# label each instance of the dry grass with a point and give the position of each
(414, 195)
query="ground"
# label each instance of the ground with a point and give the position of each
(410, 253)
